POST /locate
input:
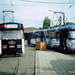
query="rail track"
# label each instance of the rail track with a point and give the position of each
(16, 67)
(9, 65)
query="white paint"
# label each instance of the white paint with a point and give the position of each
(23, 49)
(0, 48)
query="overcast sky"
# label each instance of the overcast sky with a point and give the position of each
(32, 12)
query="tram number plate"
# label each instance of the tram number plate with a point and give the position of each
(11, 46)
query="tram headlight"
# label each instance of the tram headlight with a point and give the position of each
(4, 46)
(19, 46)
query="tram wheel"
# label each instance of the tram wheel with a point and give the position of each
(0, 56)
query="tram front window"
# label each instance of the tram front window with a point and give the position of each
(12, 34)
(71, 34)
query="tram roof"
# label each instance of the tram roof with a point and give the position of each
(41, 30)
(65, 27)
(11, 23)
(36, 31)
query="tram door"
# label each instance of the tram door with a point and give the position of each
(42, 37)
(63, 36)
(28, 38)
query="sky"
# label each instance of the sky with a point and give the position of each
(32, 12)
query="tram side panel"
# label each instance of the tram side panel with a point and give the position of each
(53, 40)
(63, 40)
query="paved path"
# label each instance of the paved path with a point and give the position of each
(54, 63)
(24, 65)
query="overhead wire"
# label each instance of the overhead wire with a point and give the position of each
(8, 9)
(70, 13)
(40, 2)
(62, 11)
(49, 2)
(43, 2)
(70, 18)
(67, 9)
(11, 4)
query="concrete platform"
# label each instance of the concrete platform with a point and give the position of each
(50, 62)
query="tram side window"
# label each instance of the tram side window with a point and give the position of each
(53, 35)
(33, 35)
(71, 34)
(38, 37)
(50, 34)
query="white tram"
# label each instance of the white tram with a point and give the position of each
(11, 38)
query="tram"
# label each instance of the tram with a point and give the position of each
(59, 38)
(11, 38)
(35, 36)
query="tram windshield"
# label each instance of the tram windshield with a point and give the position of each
(71, 34)
(12, 34)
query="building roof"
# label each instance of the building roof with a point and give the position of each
(29, 29)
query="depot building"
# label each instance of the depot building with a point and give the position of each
(26, 30)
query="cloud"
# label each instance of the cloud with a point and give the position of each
(32, 12)
(29, 13)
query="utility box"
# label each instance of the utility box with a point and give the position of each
(41, 45)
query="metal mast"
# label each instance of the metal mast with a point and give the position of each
(61, 19)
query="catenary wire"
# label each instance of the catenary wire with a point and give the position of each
(49, 2)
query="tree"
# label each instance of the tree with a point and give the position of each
(67, 23)
(40, 28)
(46, 23)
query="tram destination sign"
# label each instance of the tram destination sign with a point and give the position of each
(11, 26)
